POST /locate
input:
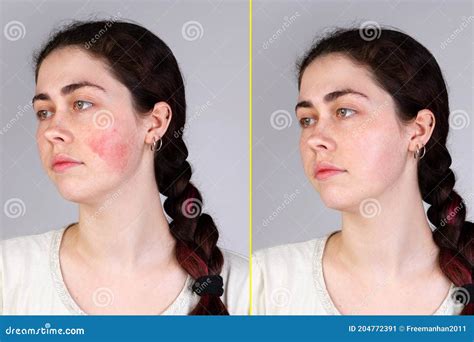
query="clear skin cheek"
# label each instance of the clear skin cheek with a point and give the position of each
(109, 146)
(374, 158)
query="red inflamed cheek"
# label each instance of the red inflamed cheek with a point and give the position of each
(109, 146)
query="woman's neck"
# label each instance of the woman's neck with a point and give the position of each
(395, 241)
(127, 229)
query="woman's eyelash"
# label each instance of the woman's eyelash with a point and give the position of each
(77, 105)
(342, 112)
(81, 103)
(305, 122)
(40, 114)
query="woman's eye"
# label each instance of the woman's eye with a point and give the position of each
(345, 112)
(306, 122)
(41, 114)
(81, 105)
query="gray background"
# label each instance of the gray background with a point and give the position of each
(280, 188)
(215, 68)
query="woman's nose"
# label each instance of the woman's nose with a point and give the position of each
(58, 130)
(321, 138)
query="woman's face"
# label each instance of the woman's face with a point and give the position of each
(349, 121)
(86, 114)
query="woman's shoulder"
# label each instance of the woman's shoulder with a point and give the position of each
(235, 267)
(234, 259)
(33, 241)
(29, 246)
(235, 273)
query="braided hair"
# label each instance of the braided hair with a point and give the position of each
(151, 73)
(409, 72)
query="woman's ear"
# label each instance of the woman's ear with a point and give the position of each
(422, 128)
(158, 121)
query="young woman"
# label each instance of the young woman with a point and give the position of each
(374, 119)
(111, 112)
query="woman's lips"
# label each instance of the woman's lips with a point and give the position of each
(325, 174)
(63, 166)
(325, 170)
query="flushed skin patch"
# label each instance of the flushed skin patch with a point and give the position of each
(109, 146)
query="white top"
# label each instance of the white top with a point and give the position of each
(31, 282)
(289, 280)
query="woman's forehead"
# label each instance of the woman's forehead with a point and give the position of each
(335, 73)
(71, 65)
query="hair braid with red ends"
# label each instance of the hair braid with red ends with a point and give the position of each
(409, 72)
(453, 234)
(151, 73)
(195, 233)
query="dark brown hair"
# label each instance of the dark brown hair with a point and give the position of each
(410, 74)
(147, 67)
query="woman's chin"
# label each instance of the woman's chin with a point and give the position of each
(73, 193)
(337, 198)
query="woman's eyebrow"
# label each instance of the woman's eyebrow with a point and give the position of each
(332, 96)
(304, 104)
(68, 89)
(338, 93)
